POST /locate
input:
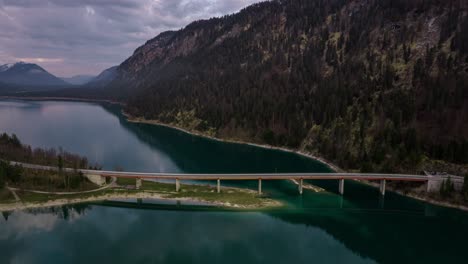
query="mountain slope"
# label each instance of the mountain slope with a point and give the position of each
(28, 74)
(104, 78)
(370, 84)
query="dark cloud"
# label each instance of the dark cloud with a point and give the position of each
(68, 3)
(70, 37)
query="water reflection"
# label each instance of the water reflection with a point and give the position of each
(81, 233)
(82, 128)
(100, 132)
(129, 236)
(20, 223)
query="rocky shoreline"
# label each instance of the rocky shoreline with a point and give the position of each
(329, 164)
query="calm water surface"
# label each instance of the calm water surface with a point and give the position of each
(313, 228)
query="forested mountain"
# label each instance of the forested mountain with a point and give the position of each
(29, 75)
(370, 84)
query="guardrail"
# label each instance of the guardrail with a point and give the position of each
(138, 176)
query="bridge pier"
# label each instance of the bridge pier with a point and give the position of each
(381, 202)
(219, 186)
(382, 187)
(177, 185)
(138, 183)
(341, 186)
(259, 186)
(300, 186)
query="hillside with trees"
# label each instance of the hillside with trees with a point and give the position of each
(11, 149)
(372, 85)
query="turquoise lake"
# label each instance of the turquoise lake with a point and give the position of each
(359, 227)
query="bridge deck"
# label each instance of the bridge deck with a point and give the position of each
(263, 176)
(246, 176)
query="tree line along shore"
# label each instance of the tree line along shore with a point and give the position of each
(22, 187)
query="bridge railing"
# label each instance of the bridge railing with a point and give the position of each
(298, 177)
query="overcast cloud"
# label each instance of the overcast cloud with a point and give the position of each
(70, 37)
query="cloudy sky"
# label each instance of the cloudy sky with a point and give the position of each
(70, 37)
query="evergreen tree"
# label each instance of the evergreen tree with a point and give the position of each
(443, 189)
(2, 176)
(465, 187)
(449, 186)
(60, 163)
(60, 169)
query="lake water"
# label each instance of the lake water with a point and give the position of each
(359, 227)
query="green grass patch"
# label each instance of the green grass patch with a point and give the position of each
(162, 187)
(126, 181)
(35, 197)
(32, 197)
(6, 196)
(233, 196)
(236, 197)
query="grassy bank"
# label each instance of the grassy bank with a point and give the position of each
(228, 198)
(232, 197)
(6, 197)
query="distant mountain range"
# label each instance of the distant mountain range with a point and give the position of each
(22, 76)
(104, 78)
(78, 79)
(28, 75)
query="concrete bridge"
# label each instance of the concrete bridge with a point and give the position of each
(299, 177)
(98, 177)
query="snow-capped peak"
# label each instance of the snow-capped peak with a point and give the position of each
(5, 67)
